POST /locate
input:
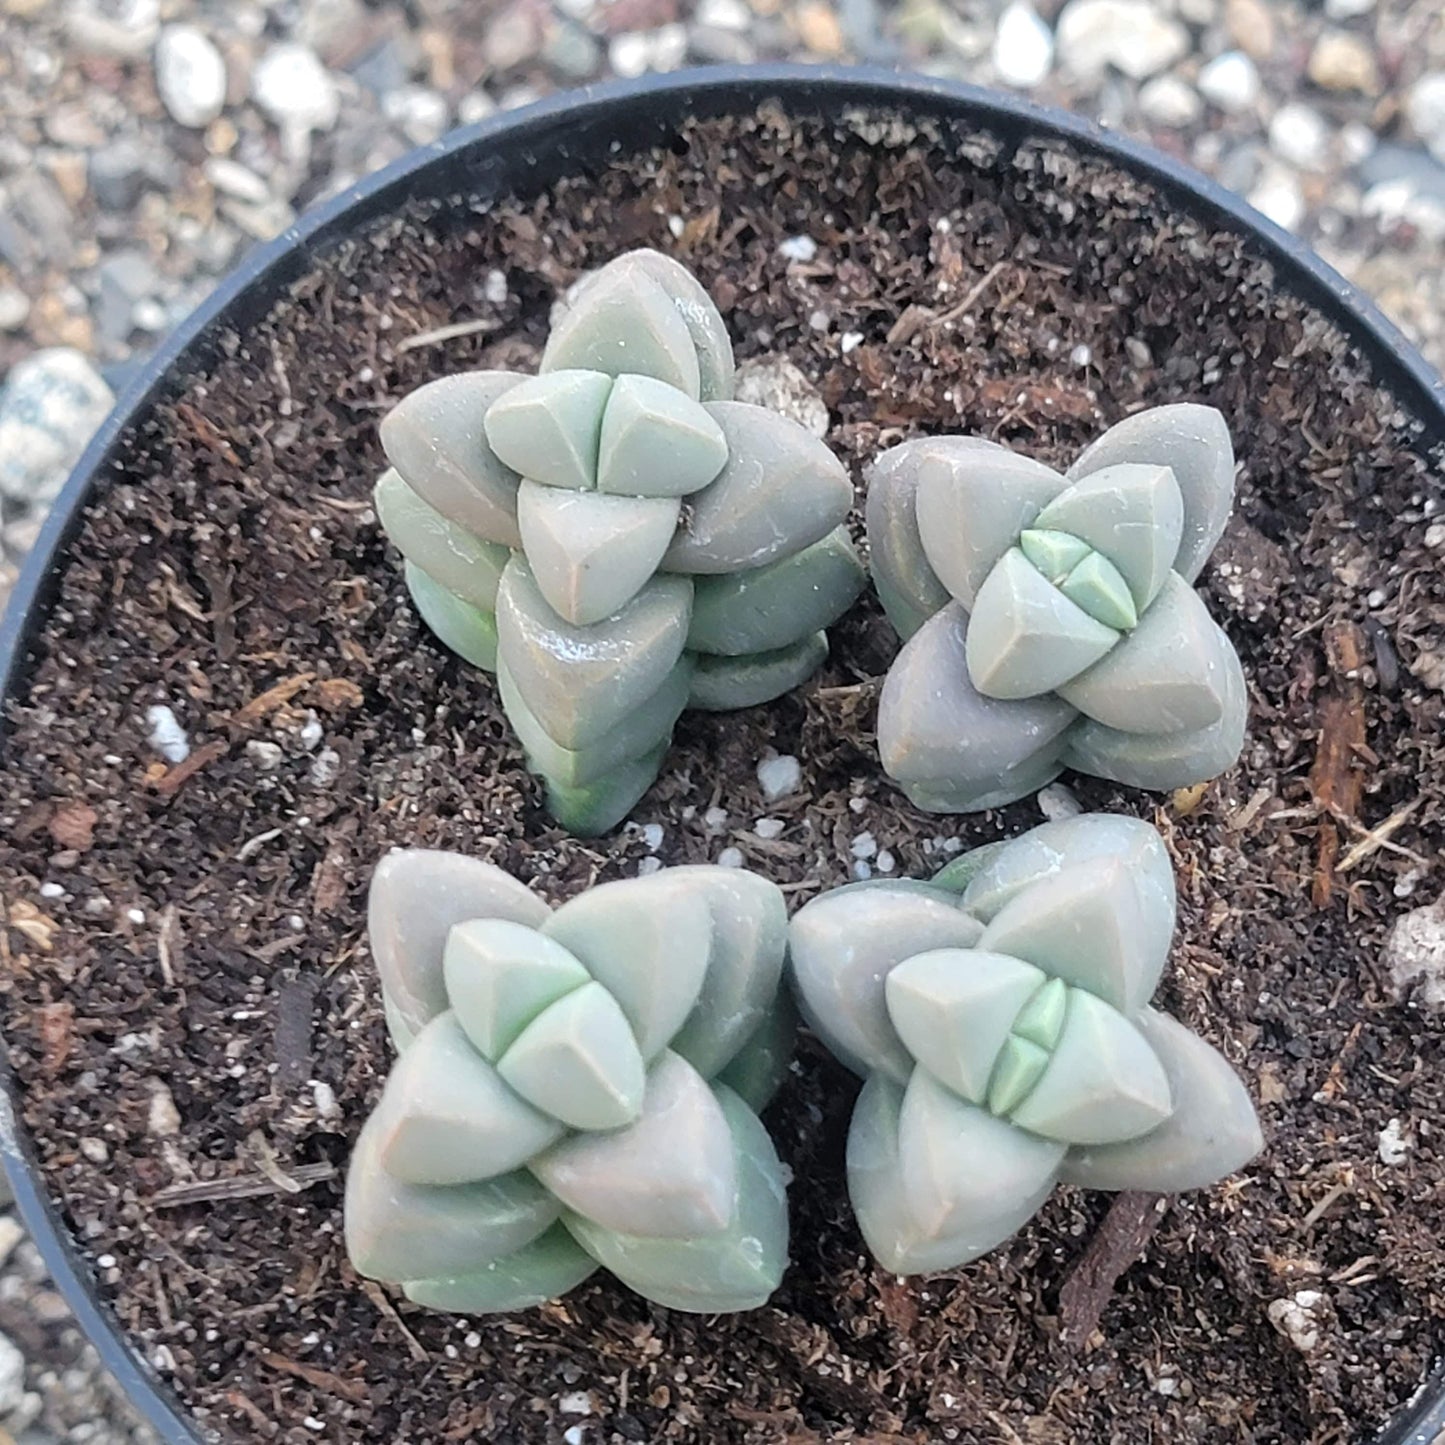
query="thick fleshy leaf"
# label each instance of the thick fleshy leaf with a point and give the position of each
(1098, 586)
(446, 1116)
(500, 976)
(745, 963)
(1102, 1083)
(1166, 760)
(704, 323)
(601, 804)
(657, 442)
(954, 1009)
(936, 730)
(1193, 442)
(640, 733)
(737, 1269)
(624, 321)
(548, 428)
(417, 896)
(582, 681)
(470, 632)
(398, 1030)
(756, 1072)
(841, 949)
(777, 605)
(1133, 513)
(781, 490)
(997, 791)
(669, 1175)
(578, 1062)
(1043, 852)
(935, 1181)
(434, 436)
(591, 554)
(1025, 637)
(543, 1270)
(973, 501)
(906, 583)
(1212, 1131)
(397, 1231)
(454, 559)
(1055, 554)
(1100, 924)
(1169, 675)
(647, 941)
(724, 684)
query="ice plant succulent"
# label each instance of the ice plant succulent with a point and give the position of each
(575, 1088)
(615, 537)
(1000, 1017)
(1049, 618)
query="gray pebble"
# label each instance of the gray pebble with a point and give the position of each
(50, 405)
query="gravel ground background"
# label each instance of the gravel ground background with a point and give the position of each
(145, 144)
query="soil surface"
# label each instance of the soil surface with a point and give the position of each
(192, 1010)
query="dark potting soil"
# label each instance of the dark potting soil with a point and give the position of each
(194, 1018)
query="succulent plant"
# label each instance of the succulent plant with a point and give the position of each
(575, 1088)
(1049, 619)
(615, 537)
(1000, 1017)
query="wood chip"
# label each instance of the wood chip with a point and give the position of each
(264, 704)
(202, 757)
(1336, 778)
(238, 1186)
(72, 824)
(324, 1380)
(1117, 1244)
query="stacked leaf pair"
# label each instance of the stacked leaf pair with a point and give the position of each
(1000, 1016)
(1050, 618)
(615, 537)
(575, 1088)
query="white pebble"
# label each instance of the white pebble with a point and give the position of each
(1081, 355)
(52, 890)
(164, 1118)
(648, 866)
(573, 1436)
(266, 756)
(1168, 100)
(858, 805)
(798, 248)
(884, 862)
(862, 870)
(769, 827)
(325, 768)
(652, 835)
(1057, 802)
(1133, 36)
(779, 776)
(494, 288)
(310, 731)
(1277, 195)
(1298, 134)
(190, 76)
(850, 341)
(716, 819)
(1298, 1318)
(325, 1097)
(1230, 82)
(1394, 1144)
(1023, 46)
(136, 915)
(864, 846)
(295, 90)
(579, 1402)
(167, 736)
(730, 858)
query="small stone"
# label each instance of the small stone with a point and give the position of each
(1343, 61)
(798, 248)
(1277, 195)
(50, 405)
(190, 76)
(295, 90)
(635, 52)
(123, 29)
(779, 776)
(1299, 1318)
(1250, 24)
(164, 1119)
(1415, 953)
(579, 1402)
(118, 173)
(1057, 802)
(167, 737)
(1169, 101)
(231, 178)
(12, 1377)
(818, 28)
(1425, 107)
(97, 1151)
(778, 384)
(14, 308)
(1230, 82)
(325, 768)
(420, 113)
(1298, 134)
(1348, 9)
(1131, 36)
(265, 756)
(769, 828)
(572, 51)
(1393, 1145)
(11, 1233)
(864, 845)
(1023, 46)
(730, 858)
(513, 36)
(723, 14)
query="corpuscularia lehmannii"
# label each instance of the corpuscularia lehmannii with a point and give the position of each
(1049, 619)
(615, 537)
(1000, 1017)
(575, 1088)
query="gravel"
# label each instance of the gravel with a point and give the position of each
(147, 146)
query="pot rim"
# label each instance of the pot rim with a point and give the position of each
(264, 273)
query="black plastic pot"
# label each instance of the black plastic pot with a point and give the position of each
(522, 152)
